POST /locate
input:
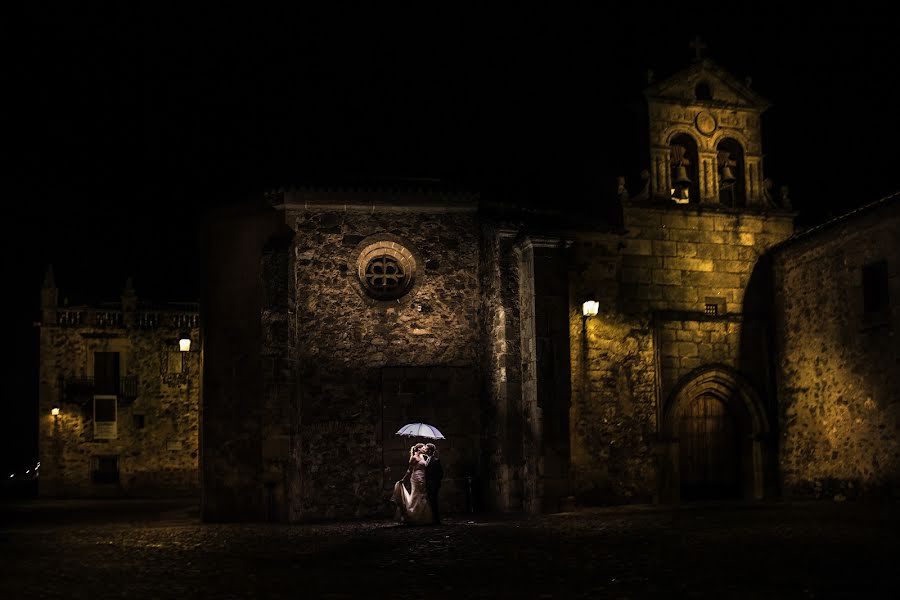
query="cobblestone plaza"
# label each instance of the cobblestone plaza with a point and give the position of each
(136, 549)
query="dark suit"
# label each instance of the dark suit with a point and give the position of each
(434, 472)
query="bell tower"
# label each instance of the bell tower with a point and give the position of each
(705, 143)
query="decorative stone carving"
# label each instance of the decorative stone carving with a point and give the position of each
(767, 192)
(706, 123)
(384, 277)
(784, 197)
(621, 189)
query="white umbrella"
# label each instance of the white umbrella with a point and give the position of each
(421, 430)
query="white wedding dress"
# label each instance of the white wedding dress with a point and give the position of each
(412, 505)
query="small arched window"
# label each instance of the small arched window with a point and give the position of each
(685, 171)
(731, 173)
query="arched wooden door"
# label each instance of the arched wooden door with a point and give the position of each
(709, 460)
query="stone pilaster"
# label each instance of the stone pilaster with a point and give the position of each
(753, 180)
(544, 301)
(709, 178)
(502, 371)
(661, 172)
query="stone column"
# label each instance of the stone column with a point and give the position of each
(709, 178)
(503, 432)
(753, 180)
(546, 376)
(661, 172)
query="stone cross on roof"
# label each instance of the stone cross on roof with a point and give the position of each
(698, 46)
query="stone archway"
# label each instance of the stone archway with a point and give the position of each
(714, 430)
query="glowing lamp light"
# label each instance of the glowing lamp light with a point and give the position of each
(184, 342)
(590, 308)
(54, 411)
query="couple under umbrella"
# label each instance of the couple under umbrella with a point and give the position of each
(419, 504)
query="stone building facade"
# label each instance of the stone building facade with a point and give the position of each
(334, 316)
(837, 307)
(722, 355)
(119, 401)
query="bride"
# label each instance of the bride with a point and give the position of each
(412, 506)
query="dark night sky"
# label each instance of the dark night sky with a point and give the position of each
(128, 123)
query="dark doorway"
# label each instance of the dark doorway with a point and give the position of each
(709, 451)
(105, 469)
(106, 373)
(446, 397)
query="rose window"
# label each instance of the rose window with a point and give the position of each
(384, 277)
(386, 268)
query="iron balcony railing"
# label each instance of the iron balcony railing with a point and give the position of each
(81, 390)
(144, 319)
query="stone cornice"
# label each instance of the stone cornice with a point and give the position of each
(373, 200)
(700, 208)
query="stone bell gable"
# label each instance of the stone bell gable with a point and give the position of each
(705, 143)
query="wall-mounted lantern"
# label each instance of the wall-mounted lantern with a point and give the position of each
(54, 411)
(184, 341)
(590, 308)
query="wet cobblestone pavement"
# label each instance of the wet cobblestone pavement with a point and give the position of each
(160, 550)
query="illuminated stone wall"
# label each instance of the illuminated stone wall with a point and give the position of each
(348, 346)
(838, 386)
(159, 459)
(652, 332)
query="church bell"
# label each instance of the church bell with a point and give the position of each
(681, 177)
(727, 175)
(681, 194)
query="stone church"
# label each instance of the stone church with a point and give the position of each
(691, 347)
(335, 316)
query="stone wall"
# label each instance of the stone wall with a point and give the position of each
(675, 258)
(652, 333)
(613, 416)
(158, 458)
(838, 386)
(345, 342)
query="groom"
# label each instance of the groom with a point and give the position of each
(434, 472)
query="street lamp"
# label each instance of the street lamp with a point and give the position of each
(184, 345)
(184, 341)
(54, 411)
(590, 307)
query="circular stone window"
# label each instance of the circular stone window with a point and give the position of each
(384, 277)
(386, 268)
